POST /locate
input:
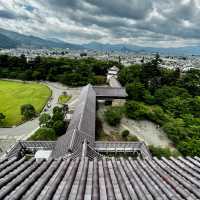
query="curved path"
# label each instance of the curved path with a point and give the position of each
(23, 131)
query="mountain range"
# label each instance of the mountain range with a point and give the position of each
(19, 40)
(11, 39)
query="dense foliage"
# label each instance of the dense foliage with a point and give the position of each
(72, 72)
(169, 98)
(2, 117)
(113, 115)
(51, 127)
(28, 111)
(162, 152)
(44, 134)
(55, 122)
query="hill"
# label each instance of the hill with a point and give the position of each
(6, 42)
(20, 40)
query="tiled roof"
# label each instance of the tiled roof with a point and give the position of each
(110, 92)
(109, 178)
(81, 127)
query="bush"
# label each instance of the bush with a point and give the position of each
(167, 92)
(113, 116)
(28, 111)
(133, 138)
(59, 127)
(44, 119)
(190, 147)
(125, 134)
(161, 152)
(44, 134)
(135, 91)
(2, 117)
(158, 116)
(136, 110)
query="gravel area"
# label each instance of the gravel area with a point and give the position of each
(145, 130)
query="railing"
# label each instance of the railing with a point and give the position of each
(22, 146)
(122, 147)
(46, 145)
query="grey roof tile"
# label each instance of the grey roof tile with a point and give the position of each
(110, 178)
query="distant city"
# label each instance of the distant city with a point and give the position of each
(128, 58)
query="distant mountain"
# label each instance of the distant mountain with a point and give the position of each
(20, 40)
(11, 39)
(189, 50)
(6, 42)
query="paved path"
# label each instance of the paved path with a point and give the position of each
(23, 131)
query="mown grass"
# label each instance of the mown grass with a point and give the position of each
(14, 94)
(64, 99)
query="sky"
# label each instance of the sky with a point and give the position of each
(155, 23)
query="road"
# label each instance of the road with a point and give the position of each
(24, 131)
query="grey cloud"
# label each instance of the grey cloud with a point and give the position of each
(112, 20)
(7, 14)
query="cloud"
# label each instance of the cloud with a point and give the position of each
(7, 14)
(142, 22)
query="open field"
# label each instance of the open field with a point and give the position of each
(14, 94)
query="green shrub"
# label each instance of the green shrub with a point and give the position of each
(125, 134)
(162, 152)
(44, 134)
(113, 116)
(28, 111)
(59, 127)
(190, 147)
(135, 91)
(136, 110)
(133, 138)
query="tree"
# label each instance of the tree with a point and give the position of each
(59, 127)
(135, 91)
(2, 117)
(190, 147)
(166, 92)
(136, 110)
(58, 116)
(178, 106)
(161, 152)
(44, 134)
(151, 74)
(44, 119)
(113, 116)
(57, 109)
(125, 134)
(191, 81)
(130, 74)
(28, 111)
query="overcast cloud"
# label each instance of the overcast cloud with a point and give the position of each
(166, 23)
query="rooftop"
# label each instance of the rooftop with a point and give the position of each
(78, 170)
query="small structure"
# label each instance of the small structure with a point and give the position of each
(114, 83)
(112, 72)
(43, 154)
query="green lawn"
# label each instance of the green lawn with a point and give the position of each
(64, 99)
(14, 94)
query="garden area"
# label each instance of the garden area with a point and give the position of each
(169, 98)
(15, 94)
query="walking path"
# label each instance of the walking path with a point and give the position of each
(24, 131)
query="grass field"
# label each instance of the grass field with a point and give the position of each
(64, 99)
(14, 94)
